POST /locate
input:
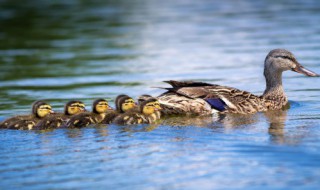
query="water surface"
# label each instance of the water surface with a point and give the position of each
(83, 50)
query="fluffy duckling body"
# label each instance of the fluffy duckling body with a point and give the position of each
(99, 109)
(145, 114)
(144, 97)
(123, 104)
(56, 120)
(40, 110)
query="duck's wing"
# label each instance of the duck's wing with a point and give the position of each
(175, 83)
(220, 98)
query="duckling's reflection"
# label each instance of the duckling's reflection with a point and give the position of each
(200, 121)
(74, 133)
(101, 130)
(138, 128)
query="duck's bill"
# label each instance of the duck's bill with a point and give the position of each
(307, 72)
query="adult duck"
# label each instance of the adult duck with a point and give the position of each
(197, 98)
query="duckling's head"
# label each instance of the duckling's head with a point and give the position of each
(143, 98)
(150, 106)
(279, 60)
(124, 103)
(74, 107)
(100, 106)
(40, 109)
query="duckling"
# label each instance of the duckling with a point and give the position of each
(144, 97)
(40, 110)
(123, 104)
(57, 119)
(145, 113)
(99, 109)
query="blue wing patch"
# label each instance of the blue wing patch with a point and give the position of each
(216, 103)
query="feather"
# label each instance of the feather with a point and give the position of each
(217, 104)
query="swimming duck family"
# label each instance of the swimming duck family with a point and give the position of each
(182, 98)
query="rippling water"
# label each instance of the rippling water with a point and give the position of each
(87, 49)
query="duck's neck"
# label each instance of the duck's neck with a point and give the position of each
(274, 89)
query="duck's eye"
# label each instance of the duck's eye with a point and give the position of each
(150, 105)
(285, 57)
(45, 107)
(103, 103)
(130, 101)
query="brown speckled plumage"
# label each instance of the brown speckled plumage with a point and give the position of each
(57, 120)
(191, 98)
(25, 122)
(87, 118)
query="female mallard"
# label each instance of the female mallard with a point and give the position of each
(145, 113)
(99, 108)
(55, 120)
(123, 104)
(203, 99)
(40, 110)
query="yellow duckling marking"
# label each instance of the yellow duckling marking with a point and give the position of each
(30, 126)
(44, 110)
(128, 104)
(139, 121)
(102, 106)
(75, 122)
(126, 118)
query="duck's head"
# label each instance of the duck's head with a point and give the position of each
(100, 106)
(41, 109)
(279, 60)
(150, 106)
(124, 103)
(143, 98)
(74, 107)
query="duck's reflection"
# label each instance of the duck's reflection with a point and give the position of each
(277, 120)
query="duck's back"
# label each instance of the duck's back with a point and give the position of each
(83, 120)
(110, 116)
(16, 122)
(130, 118)
(52, 121)
(203, 99)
